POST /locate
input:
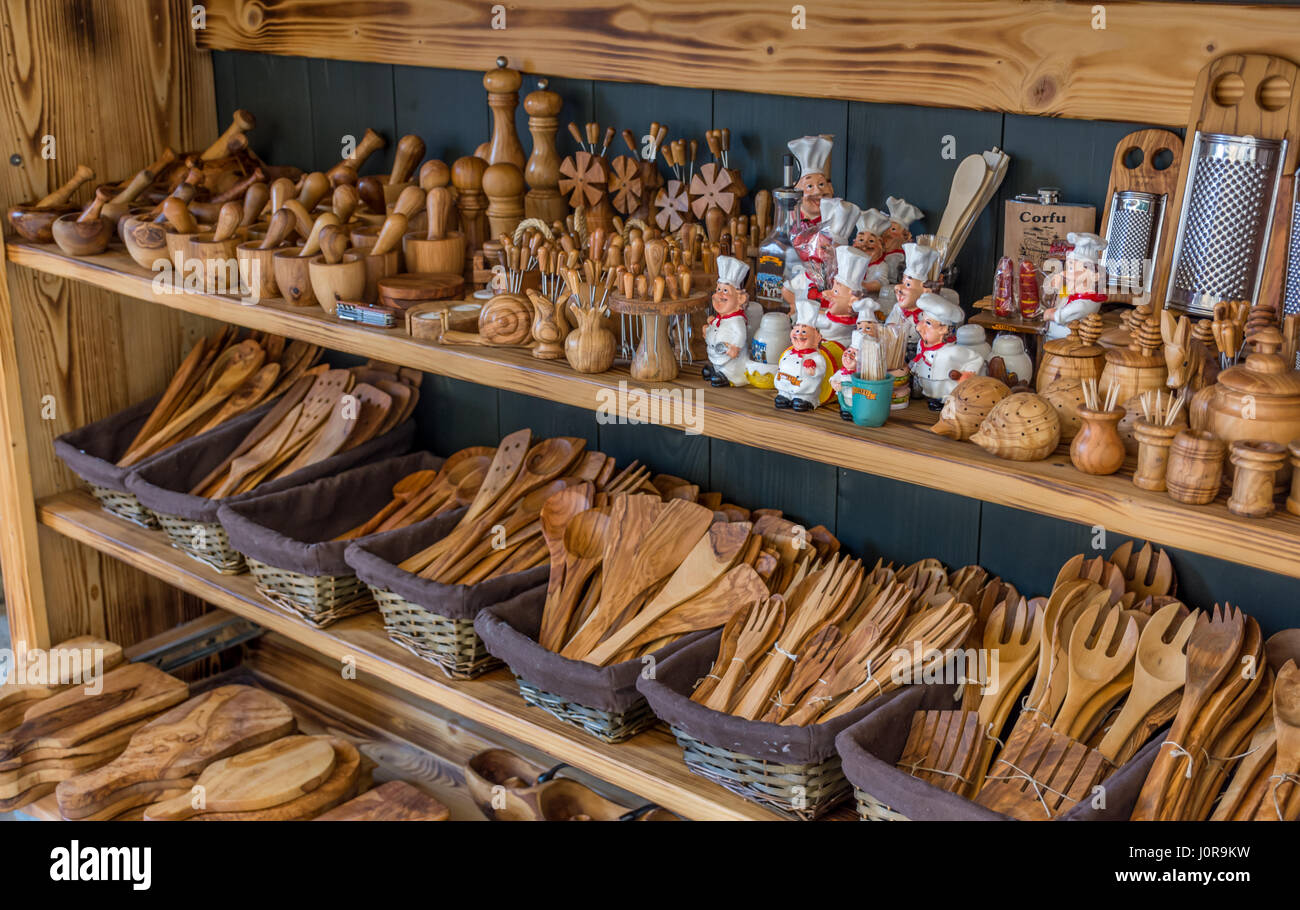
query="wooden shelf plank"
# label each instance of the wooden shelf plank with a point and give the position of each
(1129, 61)
(903, 449)
(649, 765)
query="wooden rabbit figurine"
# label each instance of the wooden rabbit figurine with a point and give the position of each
(549, 327)
(590, 347)
(1184, 355)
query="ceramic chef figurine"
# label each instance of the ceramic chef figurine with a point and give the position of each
(872, 224)
(837, 227)
(803, 372)
(937, 354)
(837, 317)
(864, 328)
(901, 215)
(920, 261)
(726, 334)
(1074, 291)
(813, 154)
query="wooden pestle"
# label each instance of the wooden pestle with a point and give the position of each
(370, 143)
(184, 192)
(434, 173)
(345, 201)
(390, 234)
(228, 221)
(139, 183)
(409, 201)
(241, 123)
(410, 151)
(312, 189)
(303, 219)
(371, 191)
(282, 190)
(438, 208)
(92, 209)
(467, 177)
(178, 216)
(255, 198)
(237, 190)
(333, 243)
(64, 193)
(277, 232)
(342, 175)
(312, 246)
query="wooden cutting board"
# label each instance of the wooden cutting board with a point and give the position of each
(113, 741)
(127, 694)
(395, 801)
(50, 771)
(177, 746)
(259, 779)
(16, 697)
(339, 787)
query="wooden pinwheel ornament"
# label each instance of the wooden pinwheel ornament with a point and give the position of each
(583, 179)
(713, 186)
(625, 184)
(673, 206)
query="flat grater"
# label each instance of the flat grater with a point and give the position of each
(1291, 285)
(1133, 228)
(1222, 235)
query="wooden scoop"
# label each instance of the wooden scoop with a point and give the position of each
(259, 779)
(61, 195)
(1159, 670)
(555, 516)
(585, 539)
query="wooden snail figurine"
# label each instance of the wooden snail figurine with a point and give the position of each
(34, 220)
(87, 233)
(970, 402)
(439, 250)
(506, 319)
(1021, 427)
(335, 274)
(550, 329)
(257, 257)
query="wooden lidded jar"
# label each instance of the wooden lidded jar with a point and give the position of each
(1077, 356)
(1257, 399)
(1195, 469)
(1257, 462)
(1141, 366)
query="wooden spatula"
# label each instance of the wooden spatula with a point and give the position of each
(320, 404)
(585, 543)
(965, 189)
(332, 437)
(709, 609)
(182, 379)
(254, 459)
(245, 398)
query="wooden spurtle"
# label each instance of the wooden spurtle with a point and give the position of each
(453, 472)
(258, 779)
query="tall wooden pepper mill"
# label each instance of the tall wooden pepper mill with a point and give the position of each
(503, 185)
(543, 172)
(467, 177)
(502, 86)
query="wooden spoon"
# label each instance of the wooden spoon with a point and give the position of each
(184, 376)
(403, 492)
(321, 403)
(245, 398)
(1286, 764)
(585, 540)
(455, 470)
(260, 454)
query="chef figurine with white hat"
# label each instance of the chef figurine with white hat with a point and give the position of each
(920, 261)
(726, 333)
(872, 224)
(937, 355)
(1074, 290)
(864, 328)
(802, 373)
(839, 219)
(838, 316)
(901, 215)
(814, 155)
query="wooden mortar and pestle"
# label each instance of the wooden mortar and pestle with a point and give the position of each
(335, 273)
(433, 174)
(118, 207)
(33, 220)
(407, 156)
(181, 227)
(215, 250)
(87, 233)
(257, 257)
(312, 189)
(145, 233)
(240, 123)
(346, 172)
(408, 204)
(385, 257)
(291, 264)
(439, 250)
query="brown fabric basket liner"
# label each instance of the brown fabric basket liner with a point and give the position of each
(91, 452)
(871, 748)
(375, 561)
(510, 631)
(669, 695)
(294, 529)
(162, 484)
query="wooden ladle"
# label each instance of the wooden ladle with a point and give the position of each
(403, 491)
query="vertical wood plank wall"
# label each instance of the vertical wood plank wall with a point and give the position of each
(305, 106)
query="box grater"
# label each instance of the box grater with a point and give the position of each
(1227, 207)
(1133, 229)
(1291, 287)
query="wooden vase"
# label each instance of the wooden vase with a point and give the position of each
(1153, 453)
(549, 327)
(1097, 448)
(589, 348)
(1195, 469)
(1257, 463)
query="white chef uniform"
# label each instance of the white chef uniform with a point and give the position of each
(1088, 249)
(729, 328)
(814, 156)
(802, 373)
(850, 265)
(932, 364)
(903, 213)
(920, 261)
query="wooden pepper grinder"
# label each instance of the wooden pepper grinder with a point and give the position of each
(467, 177)
(1257, 462)
(1293, 501)
(503, 184)
(543, 172)
(502, 86)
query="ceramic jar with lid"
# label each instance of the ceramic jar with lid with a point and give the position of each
(973, 337)
(770, 339)
(1011, 348)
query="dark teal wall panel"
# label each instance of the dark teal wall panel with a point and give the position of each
(757, 478)
(877, 516)
(346, 98)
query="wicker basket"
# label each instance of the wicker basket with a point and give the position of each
(797, 791)
(124, 505)
(871, 809)
(452, 644)
(318, 599)
(606, 726)
(205, 541)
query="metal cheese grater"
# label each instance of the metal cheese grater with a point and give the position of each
(1132, 231)
(1291, 289)
(1223, 228)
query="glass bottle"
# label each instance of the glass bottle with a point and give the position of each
(777, 257)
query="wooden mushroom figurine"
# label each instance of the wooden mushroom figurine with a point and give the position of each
(85, 234)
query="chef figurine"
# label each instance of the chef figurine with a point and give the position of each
(864, 328)
(901, 215)
(814, 156)
(838, 316)
(920, 261)
(871, 225)
(837, 227)
(938, 356)
(1073, 292)
(726, 334)
(802, 373)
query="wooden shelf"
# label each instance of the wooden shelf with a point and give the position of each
(649, 765)
(1126, 61)
(903, 449)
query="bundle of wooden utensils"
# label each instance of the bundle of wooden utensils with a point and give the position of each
(221, 378)
(62, 726)
(323, 413)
